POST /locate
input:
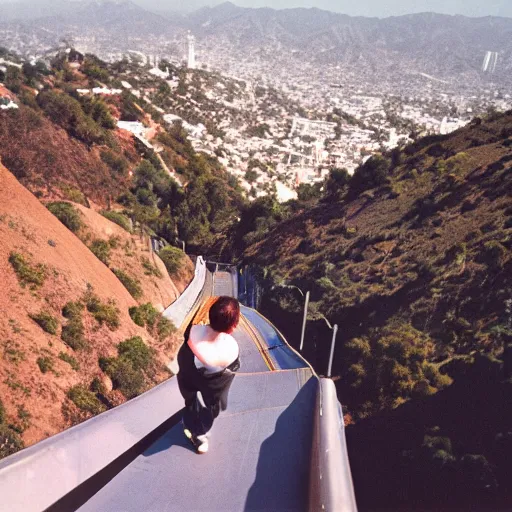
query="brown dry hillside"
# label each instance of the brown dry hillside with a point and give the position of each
(131, 253)
(57, 268)
(47, 160)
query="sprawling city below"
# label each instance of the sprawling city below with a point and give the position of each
(275, 116)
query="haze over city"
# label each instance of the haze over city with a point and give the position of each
(364, 8)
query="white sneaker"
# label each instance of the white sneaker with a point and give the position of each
(202, 444)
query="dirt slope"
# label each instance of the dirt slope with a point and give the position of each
(28, 228)
(130, 253)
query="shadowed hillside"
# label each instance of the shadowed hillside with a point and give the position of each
(411, 257)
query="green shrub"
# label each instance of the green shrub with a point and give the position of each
(74, 195)
(70, 360)
(3, 414)
(144, 315)
(435, 377)
(73, 335)
(108, 314)
(34, 276)
(10, 442)
(97, 386)
(103, 313)
(124, 377)
(67, 112)
(130, 283)
(134, 350)
(118, 164)
(45, 364)
(85, 400)
(165, 328)
(118, 218)
(423, 388)
(359, 347)
(113, 242)
(371, 174)
(149, 268)
(147, 316)
(73, 332)
(72, 310)
(172, 258)
(101, 250)
(46, 321)
(67, 214)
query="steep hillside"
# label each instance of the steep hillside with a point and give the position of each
(131, 253)
(409, 236)
(62, 311)
(62, 141)
(54, 163)
(412, 258)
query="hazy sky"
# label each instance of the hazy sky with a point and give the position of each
(362, 7)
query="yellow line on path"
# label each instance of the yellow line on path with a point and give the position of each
(250, 329)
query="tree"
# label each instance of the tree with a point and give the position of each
(337, 180)
(13, 79)
(306, 192)
(371, 174)
(251, 176)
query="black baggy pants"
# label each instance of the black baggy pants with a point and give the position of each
(214, 389)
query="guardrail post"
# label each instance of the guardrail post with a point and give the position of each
(304, 319)
(333, 343)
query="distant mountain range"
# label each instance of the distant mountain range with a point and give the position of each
(447, 46)
(428, 42)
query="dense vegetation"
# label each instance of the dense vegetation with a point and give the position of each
(95, 161)
(411, 257)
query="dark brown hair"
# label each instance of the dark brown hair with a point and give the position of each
(224, 314)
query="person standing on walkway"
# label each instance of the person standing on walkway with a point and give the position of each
(208, 360)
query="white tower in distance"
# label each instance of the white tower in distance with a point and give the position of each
(191, 58)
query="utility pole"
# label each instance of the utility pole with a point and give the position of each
(333, 343)
(304, 319)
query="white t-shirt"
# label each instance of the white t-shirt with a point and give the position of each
(213, 350)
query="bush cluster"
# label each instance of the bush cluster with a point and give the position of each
(70, 360)
(67, 214)
(389, 366)
(85, 400)
(172, 258)
(149, 268)
(10, 441)
(125, 377)
(104, 313)
(67, 112)
(45, 364)
(128, 371)
(117, 218)
(118, 164)
(130, 283)
(46, 321)
(34, 276)
(147, 316)
(73, 331)
(101, 249)
(75, 195)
